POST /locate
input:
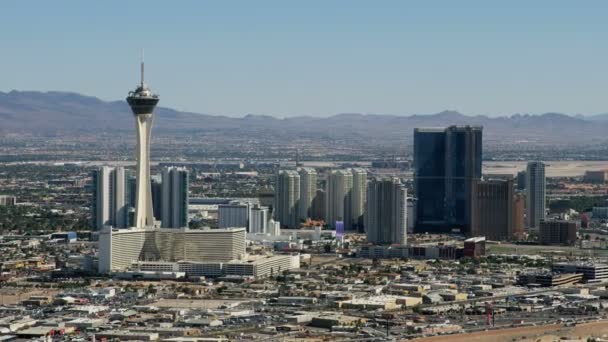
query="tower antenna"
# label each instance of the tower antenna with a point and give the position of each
(142, 67)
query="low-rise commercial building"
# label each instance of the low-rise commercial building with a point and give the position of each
(547, 279)
(475, 247)
(253, 266)
(599, 213)
(596, 177)
(558, 232)
(14, 323)
(328, 321)
(263, 267)
(7, 200)
(124, 335)
(592, 272)
(445, 252)
(380, 302)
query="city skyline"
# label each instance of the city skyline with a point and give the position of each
(321, 58)
(304, 228)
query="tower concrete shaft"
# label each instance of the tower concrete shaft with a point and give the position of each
(144, 214)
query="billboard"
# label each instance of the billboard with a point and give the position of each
(339, 229)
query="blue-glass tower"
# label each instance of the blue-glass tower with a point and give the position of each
(447, 165)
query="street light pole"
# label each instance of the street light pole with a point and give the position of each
(387, 327)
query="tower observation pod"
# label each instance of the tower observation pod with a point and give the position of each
(142, 103)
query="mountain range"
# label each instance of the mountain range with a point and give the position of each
(65, 112)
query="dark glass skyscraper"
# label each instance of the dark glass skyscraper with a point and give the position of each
(429, 177)
(447, 164)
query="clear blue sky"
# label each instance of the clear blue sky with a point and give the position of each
(310, 57)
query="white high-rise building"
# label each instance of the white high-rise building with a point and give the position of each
(274, 228)
(109, 200)
(174, 207)
(338, 198)
(536, 195)
(358, 197)
(142, 103)
(386, 212)
(258, 220)
(287, 198)
(234, 214)
(411, 215)
(308, 191)
(120, 207)
(101, 199)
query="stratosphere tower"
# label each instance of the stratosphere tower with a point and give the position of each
(142, 103)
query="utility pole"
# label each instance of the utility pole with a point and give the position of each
(388, 326)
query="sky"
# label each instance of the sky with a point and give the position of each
(288, 58)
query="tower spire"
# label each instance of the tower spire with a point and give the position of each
(297, 157)
(142, 68)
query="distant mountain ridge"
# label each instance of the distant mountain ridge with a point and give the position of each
(53, 111)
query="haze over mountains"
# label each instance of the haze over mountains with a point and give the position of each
(64, 113)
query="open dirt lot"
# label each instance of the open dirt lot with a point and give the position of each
(14, 295)
(545, 333)
(553, 168)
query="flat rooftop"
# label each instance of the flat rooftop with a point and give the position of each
(196, 303)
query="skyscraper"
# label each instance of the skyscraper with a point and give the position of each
(463, 170)
(535, 193)
(131, 194)
(274, 228)
(319, 206)
(258, 220)
(157, 198)
(266, 197)
(142, 103)
(521, 180)
(101, 199)
(308, 190)
(109, 201)
(120, 207)
(519, 209)
(493, 209)
(175, 197)
(386, 212)
(358, 197)
(447, 163)
(287, 198)
(429, 178)
(233, 215)
(339, 192)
